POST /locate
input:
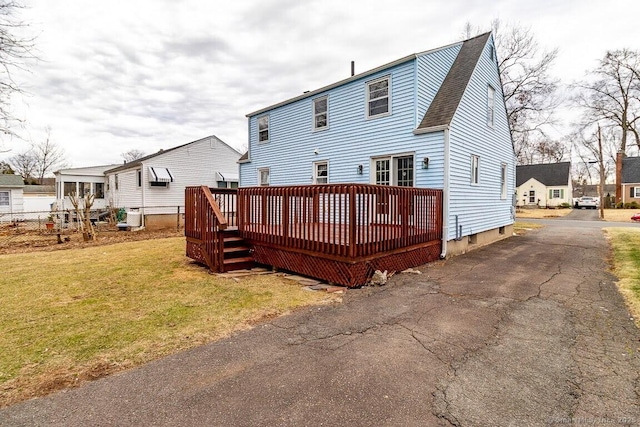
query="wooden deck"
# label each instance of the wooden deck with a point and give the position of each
(341, 233)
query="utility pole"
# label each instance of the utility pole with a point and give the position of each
(601, 163)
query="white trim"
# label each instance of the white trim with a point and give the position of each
(503, 181)
(431, 129)
(260, 170)
(315, 171)
(475, 169)
(8, 198)
(314, 114)
(445, 194)
(393, 179)
(368, 100)
(636, 192)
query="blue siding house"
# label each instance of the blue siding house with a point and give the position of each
(434, 119)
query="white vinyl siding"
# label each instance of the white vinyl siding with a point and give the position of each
(321, 113)
(379, 97)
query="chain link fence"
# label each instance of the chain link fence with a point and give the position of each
(41, 228)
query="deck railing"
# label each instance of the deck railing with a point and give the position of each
(204, 221)
(340, 221)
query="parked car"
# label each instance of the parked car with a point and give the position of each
(636, 217)
(587, 203)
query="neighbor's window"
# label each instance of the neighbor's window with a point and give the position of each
(475, 169)
(503, 181)
(99, 190)
(69, 188)
(264, 176)
(4, 198)
(555, 193)
(635, 192)
(227, 184)
(320, 117)
(491, 98)
(139, 177)
(263, 129)
(84, 188)
(378, 99)
(115, 181)
(320, 173)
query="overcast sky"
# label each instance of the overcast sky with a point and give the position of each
(149, 74)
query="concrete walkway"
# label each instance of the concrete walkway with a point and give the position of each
(526, 332)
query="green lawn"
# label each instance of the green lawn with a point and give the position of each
(626, 265)
(79, 314)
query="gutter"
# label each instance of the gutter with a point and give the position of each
(445, 194)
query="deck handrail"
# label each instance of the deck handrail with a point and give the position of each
(340, 221)
(222, 221)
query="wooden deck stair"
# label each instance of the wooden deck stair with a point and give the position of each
(237, 255)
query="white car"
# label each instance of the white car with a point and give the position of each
(587, 202)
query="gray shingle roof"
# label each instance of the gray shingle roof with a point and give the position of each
(11, 180)
(631, 170)
(446, 101)
(549, 174)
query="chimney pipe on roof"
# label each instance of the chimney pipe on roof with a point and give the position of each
(353, 68)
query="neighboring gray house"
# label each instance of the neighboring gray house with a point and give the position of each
(155, 184)
(631, 179)
(11, 197)
(544, 185)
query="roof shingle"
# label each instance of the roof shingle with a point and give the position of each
(631, 170)
(549, 174)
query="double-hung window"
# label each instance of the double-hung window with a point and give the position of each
(378, 97)
(475, 169)
(263, 129)
(635, 192)
(264, 176)
(4, 198)
(320, 173)
(491, 101)
(320, 113)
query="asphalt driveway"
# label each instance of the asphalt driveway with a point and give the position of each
(528, 331)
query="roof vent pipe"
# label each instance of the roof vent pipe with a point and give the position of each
(353, 68)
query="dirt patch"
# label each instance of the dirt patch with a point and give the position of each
(34, 241)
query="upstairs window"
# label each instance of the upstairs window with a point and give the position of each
(320, 173)
(491, 98)
(503, 181)
(378, 99)
(320, 117)
(263, 129)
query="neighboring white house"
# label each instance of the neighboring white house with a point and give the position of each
(544, 185)
(155, 185)
(81, 181)
(11, 197)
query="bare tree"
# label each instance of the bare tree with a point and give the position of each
(547, 151)
(24, 164)
(14, 52)
(132, 155)
(49, 156)
(530, 92)
(5, 168)
(612, 97)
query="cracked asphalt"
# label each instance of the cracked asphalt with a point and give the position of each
(529, 331)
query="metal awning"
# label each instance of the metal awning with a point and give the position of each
(157, 174)
(233, 177)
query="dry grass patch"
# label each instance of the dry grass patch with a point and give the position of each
(521, 228)
(626, 265)
(619, 215)
(80, 314)
(541, 213)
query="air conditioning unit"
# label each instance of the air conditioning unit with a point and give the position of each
(134, 219)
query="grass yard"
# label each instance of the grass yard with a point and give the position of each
(541, 213)
(626, 265)
(619, 215)
(79, 314)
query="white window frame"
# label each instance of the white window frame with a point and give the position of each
(260, 176)
(316, 114)
(393, 168)
(8, 198)
(553, 193)
(267, 129)
(369, 100)
(139, 178)
(475, 169)
(491, 106)
(636, 192)
(316, 177)
(503, 181)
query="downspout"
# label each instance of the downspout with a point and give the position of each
(445, 195)
(143, 194)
